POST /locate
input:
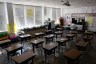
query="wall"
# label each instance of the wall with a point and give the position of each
(69, 12)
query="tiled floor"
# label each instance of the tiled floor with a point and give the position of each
(89, 57)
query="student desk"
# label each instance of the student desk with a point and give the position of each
(82, 46)
(24, 37)
(4, 42)
(13, 48)
(48, 32)
(49, 37)
(73, 32)
(72, 55)
(59, 29)
(61, 41)
(39, 34)
(36, 43)
(89, 33)
(24, 58)
(88, 39)
(49, 49)
(57, 33)
(70, 36)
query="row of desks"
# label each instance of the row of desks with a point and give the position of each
(48, 48)
(24, 37)
(25, 57)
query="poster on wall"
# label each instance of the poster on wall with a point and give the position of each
(68, 19)
(29, 12)
(89, 19)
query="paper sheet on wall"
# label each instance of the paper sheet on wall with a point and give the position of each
(89, 20)
(29, 12)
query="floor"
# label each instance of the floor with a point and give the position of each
(88, 57)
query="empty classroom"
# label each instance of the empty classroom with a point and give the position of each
(47, 32)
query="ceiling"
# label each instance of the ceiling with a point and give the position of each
(57, 3)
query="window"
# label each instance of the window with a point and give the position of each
(47, 13)
(3, 21)
(53, 13)
(29, 16)
(58, 13)
(19, 16)
(38, 16)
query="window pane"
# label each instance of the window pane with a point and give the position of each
(47, 13)
(19, 16)
(58, 13)
(3, 22)
(53, 13)
(29, 16)
(20, 22)
(38, 15)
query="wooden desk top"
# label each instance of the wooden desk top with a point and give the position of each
(59, 28)
(72, 54)
(88, 38)
(89, 33)
(5, 41)
(62, 40)
(72, 32)
(13, 47)
(48, 30)
(50, 46)
(58, 32)
(25, 56)
(70, 35)
(39, 33)
(82, 44)
(37, 41)
(49, 36)
(66, 26)
(24, 36)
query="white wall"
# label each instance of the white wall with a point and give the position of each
(82, 10)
